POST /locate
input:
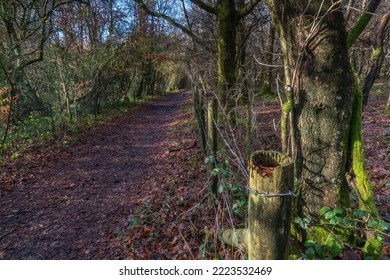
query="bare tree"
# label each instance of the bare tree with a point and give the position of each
(25, 27)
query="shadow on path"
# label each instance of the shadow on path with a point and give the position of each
(73, 208)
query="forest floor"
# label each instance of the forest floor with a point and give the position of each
(134, 188)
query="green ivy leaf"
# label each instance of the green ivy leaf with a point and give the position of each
(329, 215)
(360, 214)
(328, 257)
(329, 241)
(303, 223)
(335, 250)
(340, 220)
(310, 253)
(220, 188)
(373, 224)
(383, 225)
(309, 243)
(380, 237)
(318, 248)
(338, 210)
(324, 210)
(216, 171)
(209, 159)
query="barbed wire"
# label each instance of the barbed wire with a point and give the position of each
(264, 194)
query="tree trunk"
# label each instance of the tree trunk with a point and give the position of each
(200, 116)
(227, 31)
(212, 109)
(241, 50)
(313, 38)
(387, 109)
(377, 58)
(9, 117)
(267, 78)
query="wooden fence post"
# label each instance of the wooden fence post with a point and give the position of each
(269, 212)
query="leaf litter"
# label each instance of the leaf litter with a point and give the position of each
(134, 188)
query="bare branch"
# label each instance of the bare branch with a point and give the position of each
(247, 9)
(204, 6)
(377, 58)
(362, 22)
(175, 24)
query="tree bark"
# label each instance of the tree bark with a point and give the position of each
(387, 109)
(212, 135)
(200, 115)
(377, 58)
(362, 22)
(267, 80)
(313, 38)
(227, 33)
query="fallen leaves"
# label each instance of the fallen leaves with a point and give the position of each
(162, 227)
(170, 215)
(386, 253)
(263, 171)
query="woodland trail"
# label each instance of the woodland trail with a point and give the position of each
(72, 207)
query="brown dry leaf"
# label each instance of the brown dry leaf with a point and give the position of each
(349, 254)
(146, 232)
(386, 252)
(70, 186)
(176, 249)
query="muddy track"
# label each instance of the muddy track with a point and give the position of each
(72, 208)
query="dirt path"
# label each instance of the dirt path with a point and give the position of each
(72, 208)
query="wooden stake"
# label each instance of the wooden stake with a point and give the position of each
(269, 213)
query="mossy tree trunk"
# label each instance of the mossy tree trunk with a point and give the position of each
(227, 33)
(362, 22)
(228, 18)
(212, 109)
(244, 95)
(363, 183)
(211, 139)
(200, 115)
(313, 38)
(356, 149)
(373, 246)
(326, 107)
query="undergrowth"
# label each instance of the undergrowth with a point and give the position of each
(35, 130)
(344, 230)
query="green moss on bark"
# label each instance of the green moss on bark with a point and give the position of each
(286, 108)
(364, 189)
(358, 29)
(227, 32)
(376, 54)
(364, 186)
(321, 235)
(373, 248)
